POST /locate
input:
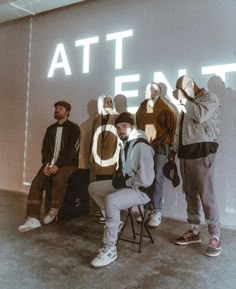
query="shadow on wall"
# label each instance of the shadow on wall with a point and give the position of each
(120, 101)
(225, 180)
(174, 205)
(226, 97)
(86, 132)
(169, 99)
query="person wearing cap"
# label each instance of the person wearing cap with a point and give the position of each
(196, 144)
(60, 158)
(128, 188)
(158, 120)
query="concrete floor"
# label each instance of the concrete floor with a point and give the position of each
(58, 256)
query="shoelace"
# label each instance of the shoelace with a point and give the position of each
(104, 251)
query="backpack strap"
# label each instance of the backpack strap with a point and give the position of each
(140, 139)
(149, 190)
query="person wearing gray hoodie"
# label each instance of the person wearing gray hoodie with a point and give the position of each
(134, 177)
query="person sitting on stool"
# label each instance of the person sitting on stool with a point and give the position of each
(134, 176)
(60, 158)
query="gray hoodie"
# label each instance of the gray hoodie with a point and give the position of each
(139, 163)
(201, 120)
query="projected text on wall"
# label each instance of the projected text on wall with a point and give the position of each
(87, 45)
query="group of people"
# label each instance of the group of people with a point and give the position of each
(128, 155)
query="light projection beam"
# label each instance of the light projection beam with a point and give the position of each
(118, 37)
(59, 53)
(160, 77)
(219, 70)
(86, 54)
(119, 80)
(113, 160)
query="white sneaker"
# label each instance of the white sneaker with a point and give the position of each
(51, 215)
(30, 224)
(106, 256)
(155, 219)
(139, 219)
(101, 220)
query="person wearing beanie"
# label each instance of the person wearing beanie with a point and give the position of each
(129, 186)
(60, 158)
(158, 120)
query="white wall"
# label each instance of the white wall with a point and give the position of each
(13, 80)
(167, 36)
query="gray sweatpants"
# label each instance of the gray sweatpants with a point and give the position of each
(113, 201)
(198, 186)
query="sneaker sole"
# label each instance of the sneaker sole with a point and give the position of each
(95, 266)
(187, 243)
(212, 255)
(28, 229)
(154, 226)
(101, 222)
(47, 223)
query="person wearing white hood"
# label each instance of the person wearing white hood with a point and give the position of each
(133, 179)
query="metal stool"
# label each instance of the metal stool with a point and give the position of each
(143, 226)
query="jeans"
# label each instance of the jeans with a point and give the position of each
(159, 162)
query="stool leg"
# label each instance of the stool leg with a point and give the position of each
(143, 216)
(132, 222)
(145, 225)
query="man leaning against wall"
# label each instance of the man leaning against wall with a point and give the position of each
(196, 144)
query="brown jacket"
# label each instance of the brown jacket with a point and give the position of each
(104, 147)
(158, 123)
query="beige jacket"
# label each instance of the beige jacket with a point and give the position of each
(104, 146)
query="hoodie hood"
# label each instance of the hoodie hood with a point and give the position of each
(136, 133)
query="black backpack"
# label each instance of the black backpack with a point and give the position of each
(76, 200)
(118, 177)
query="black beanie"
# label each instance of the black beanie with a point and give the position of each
(125, 117)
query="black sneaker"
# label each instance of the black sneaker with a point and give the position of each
(214, 248)
(188, 238)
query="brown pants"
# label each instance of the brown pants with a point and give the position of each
(41, 182)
